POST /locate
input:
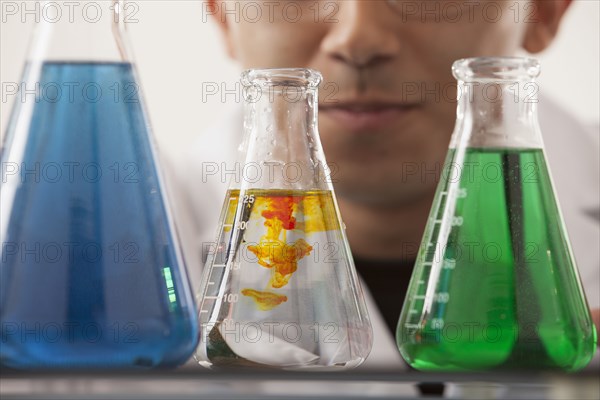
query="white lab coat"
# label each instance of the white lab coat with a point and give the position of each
(573, 155)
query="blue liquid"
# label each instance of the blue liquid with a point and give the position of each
(90, 274)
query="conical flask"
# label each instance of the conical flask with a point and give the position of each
(279, 288)
(495, 284)
(91, 274)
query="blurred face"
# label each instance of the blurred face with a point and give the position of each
(387, 106)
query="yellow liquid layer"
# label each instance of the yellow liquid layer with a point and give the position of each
(281, 212)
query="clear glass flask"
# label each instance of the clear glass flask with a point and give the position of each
(495, 283)
(279, 288)
(91, 274)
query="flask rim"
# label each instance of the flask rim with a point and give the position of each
(296, 77)
(496, 68)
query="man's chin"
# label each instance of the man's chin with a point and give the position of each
(385, 195)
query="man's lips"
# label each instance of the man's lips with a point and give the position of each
(361, 117)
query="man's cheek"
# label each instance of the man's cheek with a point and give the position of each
(277, 45)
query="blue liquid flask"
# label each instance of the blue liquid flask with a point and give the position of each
(91, 273)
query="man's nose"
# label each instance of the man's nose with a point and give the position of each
(364, 35)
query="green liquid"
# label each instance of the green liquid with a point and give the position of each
(495, 285)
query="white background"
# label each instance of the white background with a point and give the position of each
(177, 52)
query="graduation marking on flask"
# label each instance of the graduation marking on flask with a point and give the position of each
(436, 262)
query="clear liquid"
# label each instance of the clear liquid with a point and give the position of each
(89, 274)
(279, 290)
(502, 291)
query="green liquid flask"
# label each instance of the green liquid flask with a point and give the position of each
(495, 285)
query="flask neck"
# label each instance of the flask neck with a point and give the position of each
(84, 31)
(496, 111)
(281, 139)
